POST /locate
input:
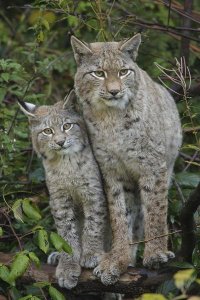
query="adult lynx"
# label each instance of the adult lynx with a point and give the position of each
(59, 137)
(135, 132)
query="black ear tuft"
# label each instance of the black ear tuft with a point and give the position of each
(27, 108)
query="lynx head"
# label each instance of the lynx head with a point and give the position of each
(106, 73)
(55, 129)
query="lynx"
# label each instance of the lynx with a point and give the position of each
(59, 137)
(135, 132)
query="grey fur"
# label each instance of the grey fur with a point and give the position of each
(72, 176)
(135, 131)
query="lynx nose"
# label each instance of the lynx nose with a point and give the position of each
(60, 143)
(114, 92)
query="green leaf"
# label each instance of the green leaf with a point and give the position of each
(40, 36)
(73, 21)
(59, 243)
(29, 297)
(2, 93)
(55, 294)
(198, 280)
(152, 297)
(46, 24)
(37, 228)
(17, 210)
(166, 288)
(180, 265)
(19, 266)
(188, 179)
(41, 284)
(1, 231)
(184, 278)
(5, 76)
(30, 211)
(43, 241)
(4, 273)
(34, 258)
(193, 146)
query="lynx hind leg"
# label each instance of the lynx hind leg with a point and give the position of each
(67, 271)
(53, 258)
(155, 216)
(155, 260)
(134, 215)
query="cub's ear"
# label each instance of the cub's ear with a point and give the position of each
(131, 45)
(27, 108)
(80, 49)
(70, 100)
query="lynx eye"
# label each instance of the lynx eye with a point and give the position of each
(124, 72)
(67, 126)
(47, 131)
(99, 74)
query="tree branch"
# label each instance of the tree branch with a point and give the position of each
(188, 225)
(135, 281)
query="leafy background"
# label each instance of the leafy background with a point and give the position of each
(37, 65)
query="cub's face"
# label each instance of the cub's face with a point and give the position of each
(106, 72)
(56, 130)
(55, 135)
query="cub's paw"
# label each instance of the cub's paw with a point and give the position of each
(156, 260)
(90, 259)
(53, 258)
(68, 274)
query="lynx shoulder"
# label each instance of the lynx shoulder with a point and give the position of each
(76, 195)
(135, 132)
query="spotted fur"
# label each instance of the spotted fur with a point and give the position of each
(135, 131)
(76, 195)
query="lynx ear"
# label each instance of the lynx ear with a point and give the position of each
(131, 45)
(27, 108)
(70, 100)
(80, 49)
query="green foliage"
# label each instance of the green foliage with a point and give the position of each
(59, 243)
(152, 297)
(43, 241)
(37, 65)
(55, 294)
(18, 267)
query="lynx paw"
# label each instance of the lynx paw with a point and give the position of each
(68, 274)
(90, 259)
(53, 258)
(154, 261)
(108, 273)
(109, 269)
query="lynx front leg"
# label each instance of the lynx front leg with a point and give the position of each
(116, 261)
(154, 196)
(68, 269)
(95, 212)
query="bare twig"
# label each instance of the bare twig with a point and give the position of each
(179, 191)
(12, 228)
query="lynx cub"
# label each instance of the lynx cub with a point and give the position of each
(135, 131)
(59, 137)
